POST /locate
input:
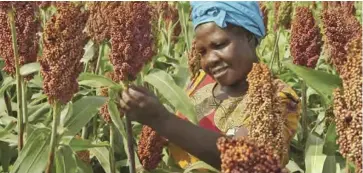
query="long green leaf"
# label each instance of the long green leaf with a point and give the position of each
(83, 111)
(314, 156)
(30, 68)
(324, 83)
(82, 144)
(164, 83)
(6, 84)
(93, 80)
(115, 117)
(33, 157)
(330, 146)
(65, 160)
(200, 165)
(102, 156)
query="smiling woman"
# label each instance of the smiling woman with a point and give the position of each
(226, 36)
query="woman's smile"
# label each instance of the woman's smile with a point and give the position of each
(219, 72)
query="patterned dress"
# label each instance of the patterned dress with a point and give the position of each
(226, 116)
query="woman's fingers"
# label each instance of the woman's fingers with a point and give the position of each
(129, 101)
(136, 94)
(124, 106)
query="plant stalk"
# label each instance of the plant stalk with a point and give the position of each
(112, 148)
(25, 107)
(304, 107)
(130, 146)
(53, 139)
(276, 48)
(11, 15)
(100, 55)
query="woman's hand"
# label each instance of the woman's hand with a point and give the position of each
(142, 106)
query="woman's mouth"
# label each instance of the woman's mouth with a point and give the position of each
(219, 72)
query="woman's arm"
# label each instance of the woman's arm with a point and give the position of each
(195, 140)
(142, 106)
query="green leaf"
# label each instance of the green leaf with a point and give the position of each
(314, 157)
(330, 146)
(163, 82)
(29, 68)
(93, 80)
(83, 111)
(82, 144)
(66, 113)
(115, 117)
(200, 165)
(324, 83)
(102, 156)
(33, 157)
(5, 155)
(89, 52)
(65, 160)
(6, 84)
(293, 167)
(330, 165)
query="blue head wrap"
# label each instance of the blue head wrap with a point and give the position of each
(246, 14)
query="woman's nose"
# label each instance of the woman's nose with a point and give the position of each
(212, 59)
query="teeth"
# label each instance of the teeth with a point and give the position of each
(219, 70)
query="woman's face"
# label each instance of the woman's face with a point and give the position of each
(226, 54)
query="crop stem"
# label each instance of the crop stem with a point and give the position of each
(53, 139)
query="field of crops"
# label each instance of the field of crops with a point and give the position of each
(63, 65)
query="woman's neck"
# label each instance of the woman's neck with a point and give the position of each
(236, 90)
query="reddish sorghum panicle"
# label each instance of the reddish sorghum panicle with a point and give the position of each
(264, 12)
(98, 24)
(104, 92)
(348, 105)
(347, 6)
(44, 4)
(194, 61)
(171, 16)
(150, 148)
(131, 38)
(26, 25)
(338, 28)
(283, 12)
(63, 49)
(245, 155)
(264, 108)
(306, 41)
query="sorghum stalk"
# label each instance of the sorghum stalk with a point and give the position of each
(19, 79)
(53, 139)
(25, 106)
(112, 148)
(304, 116)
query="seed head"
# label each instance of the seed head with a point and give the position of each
(26, 32)
(171, 16)
(264, 108)
(338, 28)
(348, 105)
(194, 61)
(244, 155)
(264, 11)
(283, 11)
(98, 24)
(131, 38)
(150, 148)
(306, 41)
(62, 52)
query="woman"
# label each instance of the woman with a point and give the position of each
(226, 36)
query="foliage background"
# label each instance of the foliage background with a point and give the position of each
(317, 153)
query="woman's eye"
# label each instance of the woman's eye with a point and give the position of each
(220, 45)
